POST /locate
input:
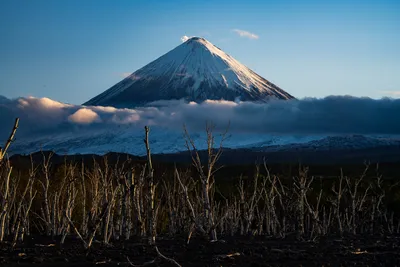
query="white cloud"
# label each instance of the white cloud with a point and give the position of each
(246, 34)
(220, 102)
(132, 118)
(105, 109)
(42, 112)
(185, 38)
(84, 116)
(42, 103)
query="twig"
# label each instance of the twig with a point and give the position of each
(228, 255)
(3, 151)
(144, 264)
(172, 261)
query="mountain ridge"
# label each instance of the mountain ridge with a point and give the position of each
(195, 71)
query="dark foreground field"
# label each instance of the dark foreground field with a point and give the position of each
(240, 251)
(271, 218)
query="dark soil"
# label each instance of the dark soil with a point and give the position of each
(241, 251)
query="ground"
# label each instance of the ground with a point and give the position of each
(240, 251)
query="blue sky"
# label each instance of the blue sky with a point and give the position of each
(73, 50)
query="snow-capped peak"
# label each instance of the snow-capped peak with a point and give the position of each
(196, 70)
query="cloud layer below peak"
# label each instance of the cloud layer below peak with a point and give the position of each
(330, 115)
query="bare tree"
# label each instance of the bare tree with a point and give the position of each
(5, 200)
(45, 183)
(337, 200)
(152, 189)
(302, 184)
(152, 210)
(357, 200)
(249, 201)
(4, 196)
(3, 150)
(19, 224)
(195, 220)
(206, 172)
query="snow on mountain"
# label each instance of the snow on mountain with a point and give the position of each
(195, 71)
(352, 142)
(129, 139)
(340, 142)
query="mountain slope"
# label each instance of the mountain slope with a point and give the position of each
(195, 71)
(238, 148)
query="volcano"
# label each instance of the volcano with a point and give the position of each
(195, 71)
